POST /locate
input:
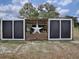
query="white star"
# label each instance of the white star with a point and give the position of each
(36, 29)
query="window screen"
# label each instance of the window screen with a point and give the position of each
(7, 29)
(65, 28)
(60, 29)
(18, 29)
(54, 29)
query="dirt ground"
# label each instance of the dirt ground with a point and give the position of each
(41, 49)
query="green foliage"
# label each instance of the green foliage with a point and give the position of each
(33, 13)
(47, 6)
(22, 12)
(28, 11)
(50, 11)
(49, 14)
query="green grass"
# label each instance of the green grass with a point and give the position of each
(12, 41)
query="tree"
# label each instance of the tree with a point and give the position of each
(44, 10)
(49, 7)
(28, 11)
(47, 10)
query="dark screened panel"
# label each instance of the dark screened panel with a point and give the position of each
(18, 29)
(7, 29)
(65, 28)
(54, 29)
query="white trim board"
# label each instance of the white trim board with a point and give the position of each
(13, 31)
(60, 29)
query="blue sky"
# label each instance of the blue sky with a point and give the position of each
(5, 1)
(10, 8)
